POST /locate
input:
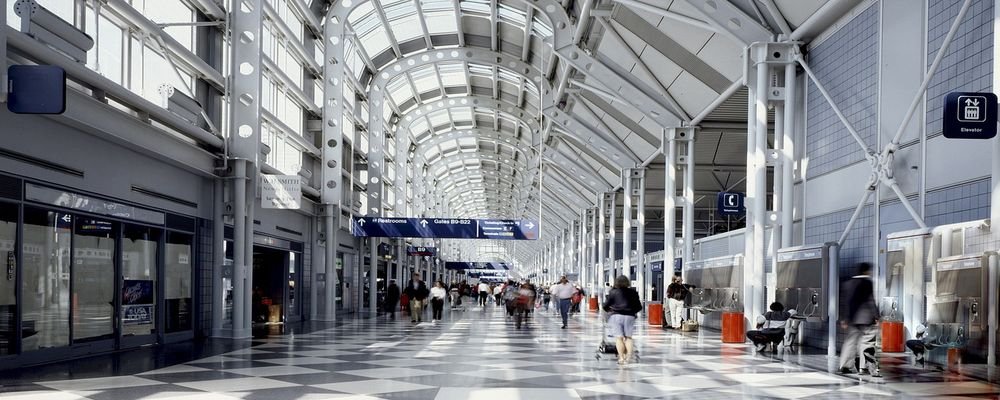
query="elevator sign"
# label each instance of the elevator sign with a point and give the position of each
(970, 115)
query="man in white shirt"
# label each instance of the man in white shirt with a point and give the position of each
(497, 293)
(484, 292)
(562, 292)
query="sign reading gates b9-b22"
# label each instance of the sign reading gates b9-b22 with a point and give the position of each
(970, 115)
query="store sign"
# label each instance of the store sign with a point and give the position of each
(421, 251)
(969, 115)
(281, 191)
(59, 198)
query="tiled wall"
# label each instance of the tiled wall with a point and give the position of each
(964, 202)
(205, 261)
(306, 277)
(847, 65)
(968, 64)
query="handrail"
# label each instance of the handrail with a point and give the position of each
(79, 72)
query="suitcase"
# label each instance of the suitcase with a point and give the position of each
(689, 326)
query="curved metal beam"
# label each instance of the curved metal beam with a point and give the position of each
(464, 102)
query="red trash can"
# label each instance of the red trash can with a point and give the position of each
(593, 303)
(655, 313)
(892, 337)
(732, 328)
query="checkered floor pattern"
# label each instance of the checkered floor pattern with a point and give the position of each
(478, 355)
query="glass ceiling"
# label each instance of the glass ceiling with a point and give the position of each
(474, 152)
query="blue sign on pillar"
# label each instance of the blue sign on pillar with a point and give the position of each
(730, 204)
(970, 115)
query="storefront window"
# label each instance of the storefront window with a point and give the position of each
(93, 279)
(8, 279)
(139, 254)
(45, 282)
(177, 290)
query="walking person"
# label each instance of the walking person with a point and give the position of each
(417, 291)
(563, 293)
(437, 300)
(523, 304)
(676, 293)
(623, 303)
(484, 292)
(391, 299)
(497, 294)
(857, 299)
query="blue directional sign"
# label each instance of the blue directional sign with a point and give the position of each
(445, 228)
(507, 229)
(421, 251)
(465, 265)
(969, 115)
(730, 204)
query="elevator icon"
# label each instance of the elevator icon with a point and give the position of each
(971, 108)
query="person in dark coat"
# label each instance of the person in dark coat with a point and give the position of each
(391, 298)
(417, 291)
(857, 301)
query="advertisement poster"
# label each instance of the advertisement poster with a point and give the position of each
(137, 302)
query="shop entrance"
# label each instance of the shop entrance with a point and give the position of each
(269, 285)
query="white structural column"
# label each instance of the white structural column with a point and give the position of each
(582, 247)
(244, 112)
(686, 136)
(756, 197)
(593, 251)
(638, 190)
(612, 235)
(787, 211)
(669, 203)
(626, 223)
(602, 243)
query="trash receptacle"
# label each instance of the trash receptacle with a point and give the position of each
(733, 330)
(655, 313)
(892, 337)
(593, 303)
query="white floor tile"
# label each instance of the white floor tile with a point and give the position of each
(111, 382)
(372, 387)
(390, 373)
(274, 371)
(450, 393)
(242, 384)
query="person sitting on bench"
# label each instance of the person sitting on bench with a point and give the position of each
(770, 327)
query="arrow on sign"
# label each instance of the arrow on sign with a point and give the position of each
(529, 225)
(361, 221)
(423, 223)
(972, 102)
(67, 218)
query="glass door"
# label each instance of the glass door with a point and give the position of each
(140, 257)
(178, 307)
(93, 284)
(45, 296)
(8, 278)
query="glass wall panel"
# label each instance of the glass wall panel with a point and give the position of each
(8, 279)
(177, 289)
(93, 275)
(139, 260)
(45, 281)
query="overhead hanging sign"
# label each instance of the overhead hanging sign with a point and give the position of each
(466, 265)
(970, 115)
(281, 191)
(445, 228)
(421, 251)
(730, 204)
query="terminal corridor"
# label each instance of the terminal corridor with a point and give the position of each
(477, 354)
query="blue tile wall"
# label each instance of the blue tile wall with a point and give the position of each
(968, 64)
(960, 203)
(847, 66)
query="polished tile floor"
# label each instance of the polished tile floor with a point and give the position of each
(477, 354)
